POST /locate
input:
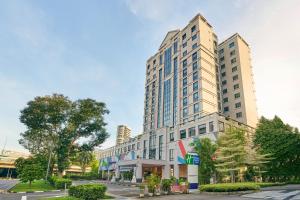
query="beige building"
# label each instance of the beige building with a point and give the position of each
(236, 78)
(123, 134)
(184, 94)
(181, 82)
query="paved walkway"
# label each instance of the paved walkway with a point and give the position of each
(6, 184)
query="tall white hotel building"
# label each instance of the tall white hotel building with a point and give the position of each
(195, 88)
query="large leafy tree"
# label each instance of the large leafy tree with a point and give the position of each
(206, 150)
(283, 143)
(57, 125)
(84, 159)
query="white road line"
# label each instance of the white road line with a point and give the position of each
(24, 198)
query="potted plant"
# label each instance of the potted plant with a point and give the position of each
(166, 184)
(142, 191)
(151, 188)
(153, 183)
(187, 187)
(157, 190)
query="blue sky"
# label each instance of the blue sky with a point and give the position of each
(98, 49)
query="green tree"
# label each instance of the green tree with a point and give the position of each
(231, 154)
(84, 159)
(30, 169)
(56, 124)
(206, 150)
(282, 142)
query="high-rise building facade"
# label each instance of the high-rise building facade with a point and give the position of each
(123, 134)
(237, 85)
(184, 100)
(181, 82)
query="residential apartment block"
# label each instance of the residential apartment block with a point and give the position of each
(123, 134)
(237, 86)
(184, 101)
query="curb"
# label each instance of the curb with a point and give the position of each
(36, 191)
(230, 193)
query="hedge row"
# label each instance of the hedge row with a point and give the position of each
(82, 177)
(59, 183)
(229, 187)
(88, 191)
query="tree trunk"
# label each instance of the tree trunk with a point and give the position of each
(30, 184)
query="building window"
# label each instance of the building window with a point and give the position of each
(224, 82)
(226, 109)
(183, 36)
(194, 46)
(167, 103)
(221, 51)
(195, 76)
(171, 154)
(233, 60)
(184, 53)
(175, 46)
(159, 98)
(196, 116)
(238, 105)
(184, 82)
(195, 97)
(196, 107)
(182, 134)
(234, 69)
(145, 149)
(225, 100)
(175, 91)
(232, 53)
(184, 63)
(185, 112)
(211, 126)
(231, 44)
(171, 137)
(184, 72)
(184, 45)
(160, 145)
(185, 101)
(202, 128)
(222, 59)
(152, 147)
(184, 92)
(223, 66)
(223, 74)
(236, 86)
(194, 37)
(194, 56)
(160, 59)
(192, 132)
(193, 28)
(195, 66)
(195, 86)
(168, 62)
(225, 91)
(237, 95)
(235, 77)
(239, 115)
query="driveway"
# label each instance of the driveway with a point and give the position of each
(6, 184)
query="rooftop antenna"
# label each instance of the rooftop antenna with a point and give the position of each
(2, 152)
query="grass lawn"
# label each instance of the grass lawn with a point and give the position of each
(39, 185)
(72, 198)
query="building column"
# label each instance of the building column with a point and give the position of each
(117, 173)
(139, 172)
(176, 171)
(166, 171)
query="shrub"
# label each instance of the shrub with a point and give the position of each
(88, 191)
(87, 176)
(60, 183)
(166, 183)
(269, 184)
(229, 187)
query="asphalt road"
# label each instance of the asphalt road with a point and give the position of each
(125, 192)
